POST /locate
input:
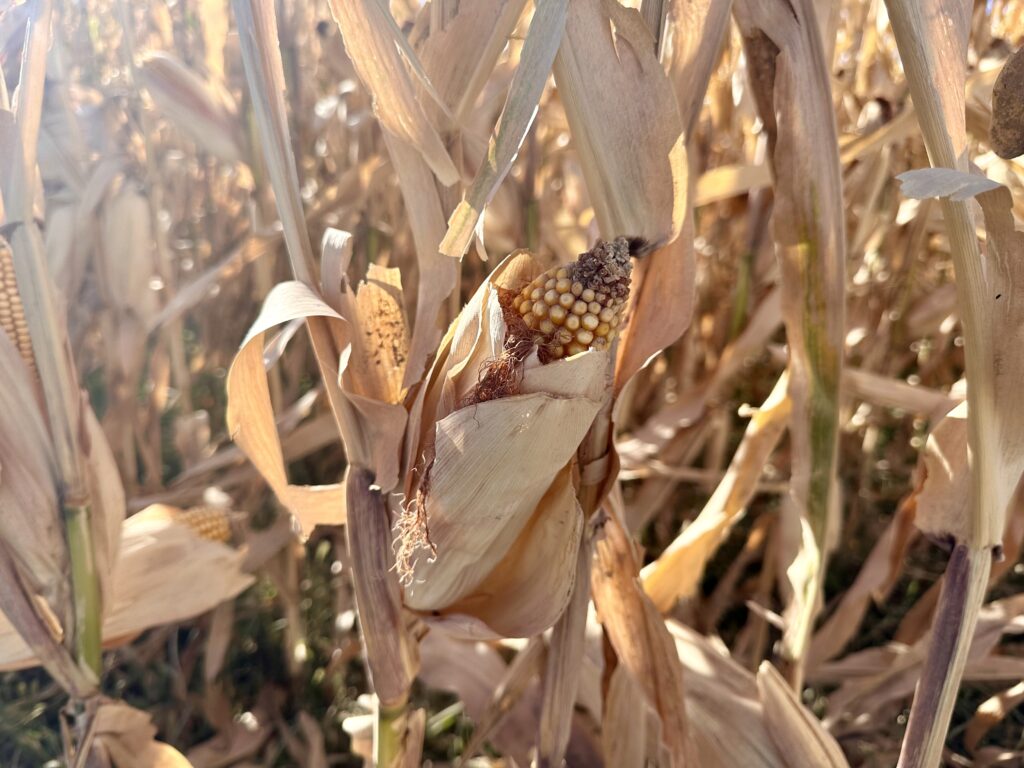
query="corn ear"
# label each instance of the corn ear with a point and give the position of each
(12, 311)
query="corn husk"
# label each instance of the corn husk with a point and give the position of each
(493, 479)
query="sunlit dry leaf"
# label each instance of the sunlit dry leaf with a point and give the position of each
(990, 713)
(623, 734)
(371, 41)
(106, 494)
(723, 705)
(678, 571)
(624, 121)
(250, 414)
(538, 54)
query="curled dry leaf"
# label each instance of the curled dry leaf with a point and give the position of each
(149, 585)
(250, 415)
(198, 108)
(490, 445)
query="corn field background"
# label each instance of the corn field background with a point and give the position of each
(511, 382)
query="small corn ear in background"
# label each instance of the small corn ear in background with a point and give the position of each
(200, 109)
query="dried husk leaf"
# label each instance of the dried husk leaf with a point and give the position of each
(990, 713)
(517, 115)
(678, 571)
(797, 732)
(371, 40)
(624, 121)
(460, 54)
(493, 464)
(790, 79)
(536, 570)
(199, 109)
(250, 416)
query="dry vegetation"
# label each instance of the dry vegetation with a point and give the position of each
(497, 382)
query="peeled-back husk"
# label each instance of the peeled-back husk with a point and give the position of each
(495, 478)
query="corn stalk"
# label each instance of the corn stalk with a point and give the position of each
(934, 58)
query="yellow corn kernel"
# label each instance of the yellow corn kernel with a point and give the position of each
(210, 523)
(12, 311)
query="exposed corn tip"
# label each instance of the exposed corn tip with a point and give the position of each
(579, 306)
(12, 312)
(210, 523)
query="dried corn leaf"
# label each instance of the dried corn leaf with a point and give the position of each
(538, 54)
(623, 731)
(678, 571)
(790, 79)
(641, 640)
(199, 109)
(250, 415)
(380, 58)
(261, 55)
(990, 713)
(107, 500)
(796, 731)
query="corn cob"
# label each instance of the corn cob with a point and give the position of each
(210, 523)
(12, 312)
(579, 306)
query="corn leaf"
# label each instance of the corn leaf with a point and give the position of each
(790, 79)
